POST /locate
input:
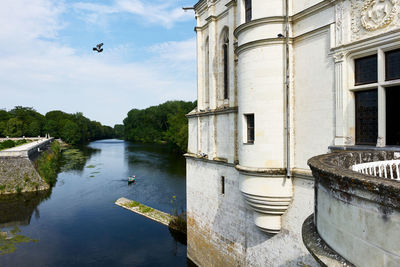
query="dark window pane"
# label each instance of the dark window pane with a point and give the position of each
(247, 5)
(392, 116)
(366, 70)
(250, 128)
(225, 47)
(393, 65)
(366, 117)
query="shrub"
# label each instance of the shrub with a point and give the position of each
(48, 163)
(7, 144)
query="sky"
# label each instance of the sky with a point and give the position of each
(47, 61)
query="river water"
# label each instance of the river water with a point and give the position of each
(78, 224)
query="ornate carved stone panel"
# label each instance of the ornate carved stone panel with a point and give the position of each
(372, 17)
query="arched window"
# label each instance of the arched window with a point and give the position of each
(247, 9)
(206, 73)
(225, 62)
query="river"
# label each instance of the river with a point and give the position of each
(78, 224)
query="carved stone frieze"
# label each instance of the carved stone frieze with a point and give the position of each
(339, 17)
(371, 17)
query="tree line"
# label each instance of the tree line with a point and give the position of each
(72, 128)
(165, 123)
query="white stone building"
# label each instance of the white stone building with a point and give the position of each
(280, 81)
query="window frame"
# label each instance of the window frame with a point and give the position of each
(248, 12)
(387, 65)
(250, 130)
(381, 84)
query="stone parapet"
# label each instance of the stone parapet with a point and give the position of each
(26, 150)
(357, 215)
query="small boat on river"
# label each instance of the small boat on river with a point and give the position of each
(131, 179)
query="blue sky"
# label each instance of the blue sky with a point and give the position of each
(47, 62)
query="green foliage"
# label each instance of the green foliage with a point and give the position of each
(73, 128)
(9, 240)
(119, 130)
(14, 128)
(70, 132)
(7, 144)
(133, 204)
(34, 128)
(145, 209)
(10, 143)
(178, 221)
(47, 163)
(165, 123)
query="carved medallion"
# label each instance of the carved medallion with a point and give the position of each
(377, 14)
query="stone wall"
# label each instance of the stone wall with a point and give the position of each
(221, 229)
(19, 175)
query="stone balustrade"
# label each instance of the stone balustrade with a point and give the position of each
(385, 169)
(357, 213)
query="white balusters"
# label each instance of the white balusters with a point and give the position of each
(380, 169)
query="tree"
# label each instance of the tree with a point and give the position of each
(119, 130)
(163, 123)
(70, 133)
(14, 128)
(34, 128)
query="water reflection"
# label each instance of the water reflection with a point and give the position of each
(17, 209)
(155, 156)
(74, 159)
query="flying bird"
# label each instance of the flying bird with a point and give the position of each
(98, 48)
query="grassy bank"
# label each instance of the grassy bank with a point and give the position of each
(47, 164)
(10, 143)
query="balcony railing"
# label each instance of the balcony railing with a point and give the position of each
(385, 169)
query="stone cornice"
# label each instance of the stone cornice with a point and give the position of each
(216, 160)
(211, 18)
(199, 4)
(258, 22)
(213, 112)
(313, 9)
(231, 3)
(391, 37)
(261, 42)
(312, 33)
(261, 171)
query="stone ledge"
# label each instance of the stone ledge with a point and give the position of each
(322, 253)
(222, 110)
(221, 161)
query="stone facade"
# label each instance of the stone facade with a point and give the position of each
(275, 87)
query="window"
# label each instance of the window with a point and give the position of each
(366, 117)
(206, 74)
(366, 70)
(247, 8)
(226, 87)
(224, 64)
(223, 185)
(250, 128)
(371, 128)
(392, 116)
(392, 59)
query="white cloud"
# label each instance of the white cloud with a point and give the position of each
(176, 51)
(163, 12)
(38, 71)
